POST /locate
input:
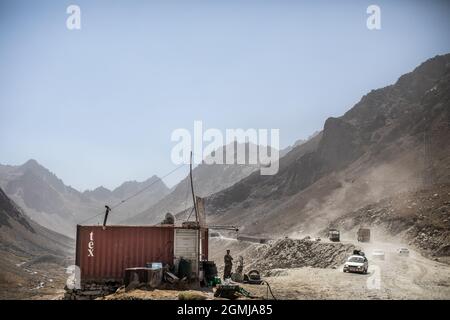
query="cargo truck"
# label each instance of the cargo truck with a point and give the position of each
(334, 235)
(364, 235)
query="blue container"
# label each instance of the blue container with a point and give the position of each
(154, 265)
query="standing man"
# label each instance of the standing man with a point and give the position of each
(228, 260)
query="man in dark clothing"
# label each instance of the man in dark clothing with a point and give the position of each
(228, 260)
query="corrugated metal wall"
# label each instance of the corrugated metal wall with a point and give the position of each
(186, 246)
(103, 255)
(121, 247)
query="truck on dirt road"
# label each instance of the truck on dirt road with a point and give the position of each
(364, 235)
(334, 235)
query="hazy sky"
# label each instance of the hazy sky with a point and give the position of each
(97, 106)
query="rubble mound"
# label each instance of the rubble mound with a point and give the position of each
(295, 253)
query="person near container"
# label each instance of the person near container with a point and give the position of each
(228, 260)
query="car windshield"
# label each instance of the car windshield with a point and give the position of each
(356, 259)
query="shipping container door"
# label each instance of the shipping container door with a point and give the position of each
(186, 246)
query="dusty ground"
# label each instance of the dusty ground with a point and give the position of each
(38, 282)
(160, 295)
(413, 277)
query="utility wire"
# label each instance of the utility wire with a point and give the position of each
(135, 194)
(192, 210)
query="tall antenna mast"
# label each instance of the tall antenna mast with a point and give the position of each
(192, 188)
(196, 220)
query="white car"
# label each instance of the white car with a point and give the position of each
(378, 254)
(357, 264)
(403, 252)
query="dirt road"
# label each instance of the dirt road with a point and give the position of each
(397, 277)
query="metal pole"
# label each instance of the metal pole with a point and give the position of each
(196, 219)
(192, 189)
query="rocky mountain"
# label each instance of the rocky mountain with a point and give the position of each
(48, 201)
(25, 246)
(394, 139)
(208, 179)
(44, 197)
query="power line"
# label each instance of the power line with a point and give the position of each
(192, 210)
(142, 190)
(135, 194)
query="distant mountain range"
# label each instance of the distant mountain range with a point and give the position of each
(49, 202)
(207, 178)
(144, 194)
(394, 139)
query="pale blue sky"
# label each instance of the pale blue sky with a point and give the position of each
(97, 106)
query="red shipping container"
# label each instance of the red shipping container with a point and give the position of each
(103, 255)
